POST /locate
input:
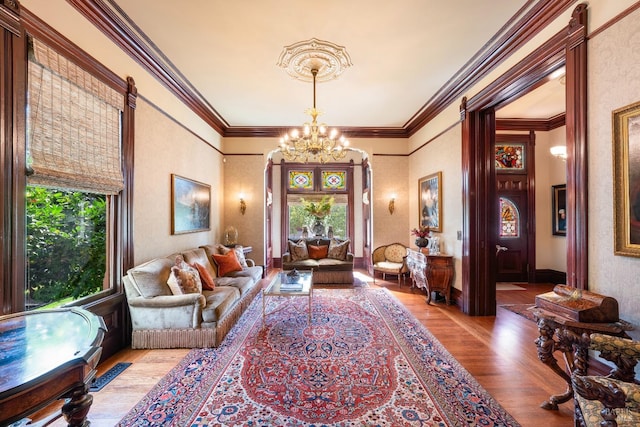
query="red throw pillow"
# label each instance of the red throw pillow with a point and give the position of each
(227, 263)
(205, 277)
(318, 252)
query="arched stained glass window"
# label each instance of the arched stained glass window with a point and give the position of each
(509, 219)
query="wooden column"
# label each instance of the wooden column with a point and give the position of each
(576, 125)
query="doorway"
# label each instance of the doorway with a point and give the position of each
(567, 48)
(515, 207)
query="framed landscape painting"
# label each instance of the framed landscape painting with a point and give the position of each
(190, 205)
(626, 179)
(430, 199)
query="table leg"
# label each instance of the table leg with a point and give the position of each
(76, 409)
(574, 346)
(546, 346)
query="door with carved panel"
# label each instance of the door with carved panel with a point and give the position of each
(515, 243)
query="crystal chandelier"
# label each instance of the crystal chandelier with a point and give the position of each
(315, 141)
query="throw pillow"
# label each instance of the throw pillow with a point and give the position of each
(227, 263)
(205, 277)
(240, 255)
(222, 249)
(184, 279)
(338, 250)
(298, 250)
(318, 252)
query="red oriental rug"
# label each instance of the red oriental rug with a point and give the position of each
(363, 361)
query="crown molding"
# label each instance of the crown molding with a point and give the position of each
(511, 38)
(349, 132)
(533, 17)
(540, 125)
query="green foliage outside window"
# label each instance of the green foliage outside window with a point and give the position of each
(66, 245)
(299, 217)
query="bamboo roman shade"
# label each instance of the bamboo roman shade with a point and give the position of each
(73, 126)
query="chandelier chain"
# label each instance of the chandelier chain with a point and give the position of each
(313, 142)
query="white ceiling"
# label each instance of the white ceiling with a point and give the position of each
(402, 52)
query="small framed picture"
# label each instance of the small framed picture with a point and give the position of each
(559, 209)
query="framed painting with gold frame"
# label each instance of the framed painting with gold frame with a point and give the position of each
(430, 201)
(190, 205)
(626, 179)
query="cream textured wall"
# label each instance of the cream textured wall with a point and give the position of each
(441, 155)
(162, 148)
(244, 174)
(389, 177)
(614, 82)
(551, 251)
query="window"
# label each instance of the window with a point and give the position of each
(335, 223)
(73, 155)
(509, 219)
(66, 246)
(304, 183)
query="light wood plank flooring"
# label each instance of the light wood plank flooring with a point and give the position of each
(499, 351)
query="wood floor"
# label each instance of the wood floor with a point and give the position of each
(499, 351)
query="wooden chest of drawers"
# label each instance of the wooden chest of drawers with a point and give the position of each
(433, 273)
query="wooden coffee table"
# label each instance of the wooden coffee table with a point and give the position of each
(294, 283)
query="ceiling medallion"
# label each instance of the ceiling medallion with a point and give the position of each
(310, 61)
(329, 59)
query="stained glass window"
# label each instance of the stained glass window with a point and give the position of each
(510, 156)
(509, 219)
(301, 180)
(334, 180)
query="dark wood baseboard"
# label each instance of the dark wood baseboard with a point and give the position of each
(551, 276)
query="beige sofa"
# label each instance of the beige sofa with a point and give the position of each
(161, 319)
(333, 265)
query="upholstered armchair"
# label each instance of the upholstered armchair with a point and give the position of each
(390, 259)
(612, 400)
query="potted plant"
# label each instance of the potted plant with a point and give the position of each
(319, 210)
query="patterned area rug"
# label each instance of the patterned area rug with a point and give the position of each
(363, 361)
(521, 309)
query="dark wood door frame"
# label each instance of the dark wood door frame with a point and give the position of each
(567, 48)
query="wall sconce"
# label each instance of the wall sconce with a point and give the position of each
(559, 151)
(243, 205)
(392, 204)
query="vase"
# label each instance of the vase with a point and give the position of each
(318, 227)
(422, 242)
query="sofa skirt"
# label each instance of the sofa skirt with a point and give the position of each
(173, 338)
(333, 277)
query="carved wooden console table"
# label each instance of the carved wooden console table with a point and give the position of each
(433, 273)
(566, 317)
